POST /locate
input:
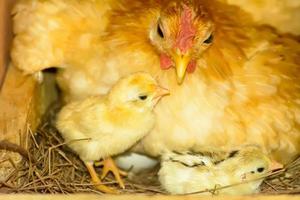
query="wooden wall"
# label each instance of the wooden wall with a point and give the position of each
(23, 99)
(5, 35)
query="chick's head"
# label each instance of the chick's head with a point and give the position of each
(249, 163)
(182, 32)
(138, 91)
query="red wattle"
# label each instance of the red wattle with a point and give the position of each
(191, 66)
(165, 62)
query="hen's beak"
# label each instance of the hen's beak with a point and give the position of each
(181, 62)
(159, 93)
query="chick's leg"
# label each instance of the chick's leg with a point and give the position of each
(110, 166)
(97, 182)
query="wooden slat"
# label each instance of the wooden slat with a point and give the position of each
(141, 197)
(17, 97)
(5, 35)
(23, 101)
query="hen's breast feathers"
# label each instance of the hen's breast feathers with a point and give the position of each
(256, 100)
(258, 103)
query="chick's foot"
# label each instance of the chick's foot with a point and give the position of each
(110, 166)
(97, 182)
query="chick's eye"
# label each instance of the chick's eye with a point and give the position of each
(143, 97)
(209, 39)
(260, 169)
(159, 31)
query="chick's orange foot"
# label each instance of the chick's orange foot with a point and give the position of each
(97, 182)
(110, 166)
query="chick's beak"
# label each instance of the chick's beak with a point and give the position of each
(275, 165)
(159, 93)
(181, 62)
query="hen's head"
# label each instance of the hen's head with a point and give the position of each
(185, 34)
(181, 33)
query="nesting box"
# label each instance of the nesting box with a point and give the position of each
(24, 100)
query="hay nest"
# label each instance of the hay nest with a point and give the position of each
(51, 167)
(285, 181)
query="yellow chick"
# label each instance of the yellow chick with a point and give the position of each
(190, 172)
(103, 126)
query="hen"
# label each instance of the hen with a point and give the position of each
(242, 83)
(100, 127)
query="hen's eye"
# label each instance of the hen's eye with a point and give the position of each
(209, 39)
(143, 97)
(159, 31)
(261, 169)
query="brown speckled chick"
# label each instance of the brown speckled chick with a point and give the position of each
(238, 172)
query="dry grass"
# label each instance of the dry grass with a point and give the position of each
(286, 181)
(51, 167)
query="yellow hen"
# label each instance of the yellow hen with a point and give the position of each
(232, 82)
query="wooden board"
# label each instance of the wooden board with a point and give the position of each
(141, 197)
(5, 35)
(23, 101)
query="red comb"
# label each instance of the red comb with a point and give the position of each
(187, 31)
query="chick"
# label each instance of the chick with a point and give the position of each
(190, 172)
(103, 126)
